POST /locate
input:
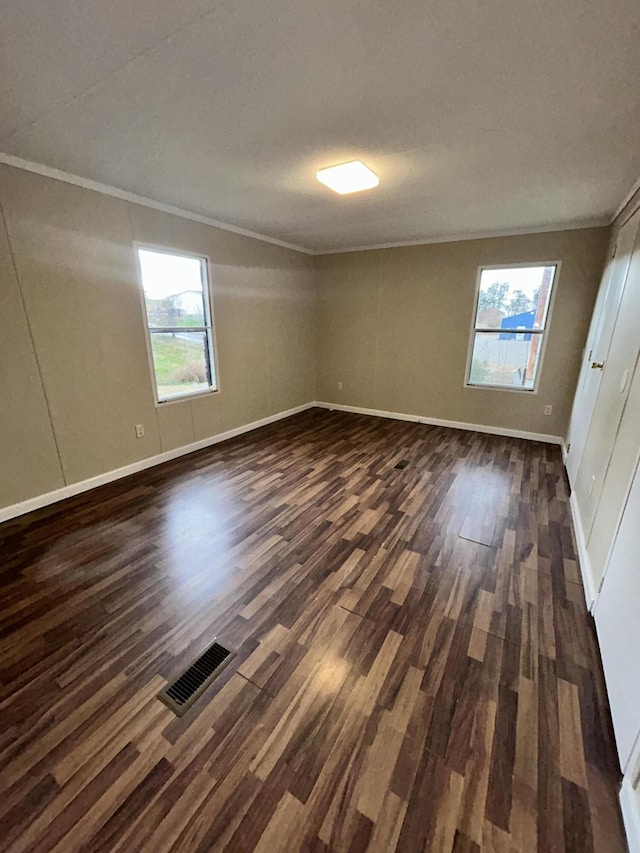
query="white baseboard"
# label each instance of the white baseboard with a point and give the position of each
(583, 556)
(69, 491)
(493, 430)
(588, 582)
(630, 807)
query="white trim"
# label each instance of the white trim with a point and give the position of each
(635, 472)
(399, 416)
(625, 201)
(588, 583)
(575, 225)
(585, 564)
(14, 510)
(557, 265)
(209, 329)
(69, 491)
(134, 198)
(630, 814)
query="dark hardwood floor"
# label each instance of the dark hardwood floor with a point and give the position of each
(416, 668)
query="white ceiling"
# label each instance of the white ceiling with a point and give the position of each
(479, 116)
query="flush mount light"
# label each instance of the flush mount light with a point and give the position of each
(348, 177)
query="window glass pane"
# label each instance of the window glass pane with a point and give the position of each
(181, 362)
(172, 289)
(515, 298)
(510, 360)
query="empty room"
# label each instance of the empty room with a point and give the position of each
(320, 427)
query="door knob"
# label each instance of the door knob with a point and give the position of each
(597, 365)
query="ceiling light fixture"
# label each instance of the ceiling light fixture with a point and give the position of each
(348, 177)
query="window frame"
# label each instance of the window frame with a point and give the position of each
(208, 329)
(543, 333)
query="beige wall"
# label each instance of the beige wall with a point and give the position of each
(394, 328)
(391, 324)
(73, 363)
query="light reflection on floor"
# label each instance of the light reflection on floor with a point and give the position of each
(193, 534)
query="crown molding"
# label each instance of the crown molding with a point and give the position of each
(625, 201)
(134, 198)
(576, 225)
(125, 195)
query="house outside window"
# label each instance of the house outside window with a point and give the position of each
(179, 322)
(509, 327)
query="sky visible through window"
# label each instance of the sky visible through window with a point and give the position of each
(511, 301)
(527, 279)
(512, 292)
(165, 275)
(178, 320)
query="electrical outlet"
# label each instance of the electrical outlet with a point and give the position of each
(548, 410)
(339, 386)
(139, 431)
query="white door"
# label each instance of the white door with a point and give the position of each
(618, 366)
(598, 342)
(616, 484)
(617, 615)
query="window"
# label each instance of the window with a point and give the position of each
(509, 328)
(179, 323)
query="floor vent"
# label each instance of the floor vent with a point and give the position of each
(195, 679)
(402, 464)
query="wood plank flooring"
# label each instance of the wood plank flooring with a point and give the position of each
(416, 668)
